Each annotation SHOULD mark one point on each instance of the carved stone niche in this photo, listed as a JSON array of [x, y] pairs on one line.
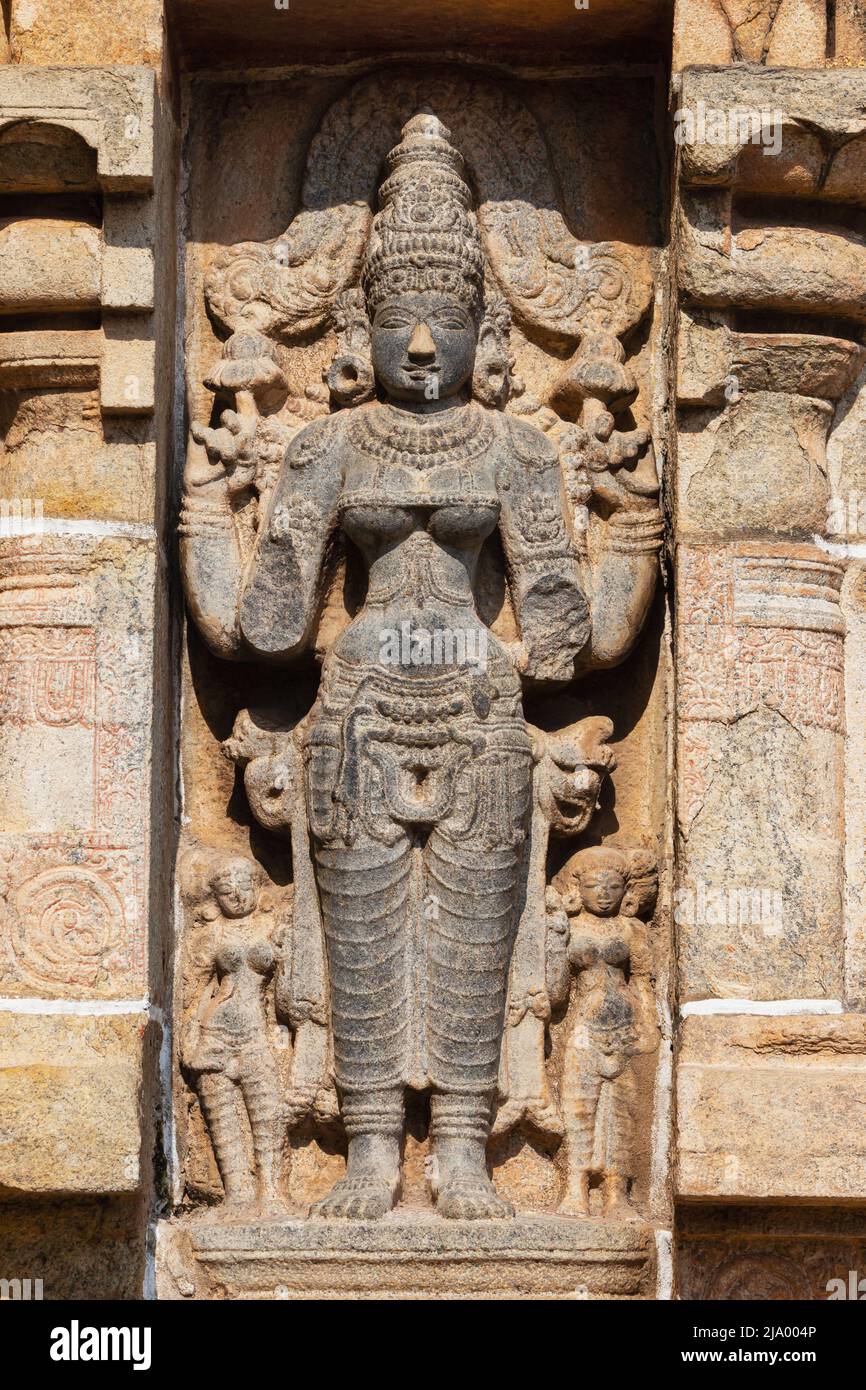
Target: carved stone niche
[[77, 239], [418, 1024]]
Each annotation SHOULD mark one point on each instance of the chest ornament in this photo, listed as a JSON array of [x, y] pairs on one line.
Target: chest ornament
[[421, 441]]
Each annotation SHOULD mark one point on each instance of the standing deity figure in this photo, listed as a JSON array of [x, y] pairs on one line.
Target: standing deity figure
[[418, 763], [602, 891], [225, 1049]]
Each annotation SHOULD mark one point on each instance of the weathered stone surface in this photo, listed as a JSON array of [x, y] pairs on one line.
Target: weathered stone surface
[[127, 379], [717, 364], [87, 236], [60, 449], [78, 1247], [47, 264], [850, 37], [208, 32], [112, 109], [70, 1097], [127, 277], [854, 608], [768, 894], [759, 466], [761, 720], [76, 643], [771, 1253], [846, 458], [795, 103], [61, 456], [39, 33], [764, 1108], [789, 268], [531, 1257], [774, 32]]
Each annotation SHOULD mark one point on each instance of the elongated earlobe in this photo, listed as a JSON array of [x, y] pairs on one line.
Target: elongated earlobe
[[350, 377], [491, 378]]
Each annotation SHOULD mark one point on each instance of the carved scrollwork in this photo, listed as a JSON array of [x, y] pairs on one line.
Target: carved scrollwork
[[553, 282], [286, 287]]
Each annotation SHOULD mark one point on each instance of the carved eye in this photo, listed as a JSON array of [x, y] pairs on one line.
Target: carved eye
[[455, 322], [393, 320]]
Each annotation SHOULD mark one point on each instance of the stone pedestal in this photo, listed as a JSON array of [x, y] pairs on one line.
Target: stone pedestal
[[412, 1255]]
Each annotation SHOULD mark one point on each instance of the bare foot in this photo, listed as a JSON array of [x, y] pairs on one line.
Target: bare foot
[[460, 1184], [371, 1186], [364, 1198], [472, 1199]]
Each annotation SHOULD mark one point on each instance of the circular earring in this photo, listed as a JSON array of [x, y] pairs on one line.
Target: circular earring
[[350, 379]]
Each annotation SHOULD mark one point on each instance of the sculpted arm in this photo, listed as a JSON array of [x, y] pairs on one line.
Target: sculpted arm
[[623, 583], [546, 586], [284, 588], [218, 475], [621, 579], [267, 604]]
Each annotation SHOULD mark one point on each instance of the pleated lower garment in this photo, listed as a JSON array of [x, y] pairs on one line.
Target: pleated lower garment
[[419, 942]]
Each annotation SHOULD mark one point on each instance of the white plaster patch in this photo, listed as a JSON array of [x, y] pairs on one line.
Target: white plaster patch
[[774, 1007], [664, 1265], [62, 526], [83, 1008], [26, 14]]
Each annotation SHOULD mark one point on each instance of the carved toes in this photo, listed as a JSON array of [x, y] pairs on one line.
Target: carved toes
[[462, 1201], [359, 1199]]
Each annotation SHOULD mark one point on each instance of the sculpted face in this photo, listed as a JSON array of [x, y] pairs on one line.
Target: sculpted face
[[423, 346], [236, 889], [602, 891]]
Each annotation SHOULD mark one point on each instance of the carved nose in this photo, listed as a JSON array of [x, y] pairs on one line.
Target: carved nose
[[421, 345]]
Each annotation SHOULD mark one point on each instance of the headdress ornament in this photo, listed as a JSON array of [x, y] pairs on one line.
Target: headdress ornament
[[425, 235]]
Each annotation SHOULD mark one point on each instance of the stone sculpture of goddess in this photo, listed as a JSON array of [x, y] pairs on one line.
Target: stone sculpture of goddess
[[226, 1049], [417, 776]]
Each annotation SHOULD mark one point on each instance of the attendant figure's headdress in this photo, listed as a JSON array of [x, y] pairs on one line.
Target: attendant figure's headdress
[[425, 235]]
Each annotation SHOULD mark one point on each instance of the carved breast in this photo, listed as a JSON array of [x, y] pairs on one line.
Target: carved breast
[[454, 524]]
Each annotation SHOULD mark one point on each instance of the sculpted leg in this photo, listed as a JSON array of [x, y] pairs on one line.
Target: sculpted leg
[[471, 934], [261, 1097], [365, 905], [581, 1088], [618, 1148], [219, 1102]]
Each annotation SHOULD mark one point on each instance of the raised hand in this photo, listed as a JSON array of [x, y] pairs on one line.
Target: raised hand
[[229, 449]]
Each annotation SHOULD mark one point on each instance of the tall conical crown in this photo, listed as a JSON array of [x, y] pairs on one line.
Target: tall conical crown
[[424, 236]]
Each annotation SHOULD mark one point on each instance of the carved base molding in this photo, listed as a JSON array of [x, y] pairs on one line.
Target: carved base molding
[[407, 1257], [737, 1253]]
